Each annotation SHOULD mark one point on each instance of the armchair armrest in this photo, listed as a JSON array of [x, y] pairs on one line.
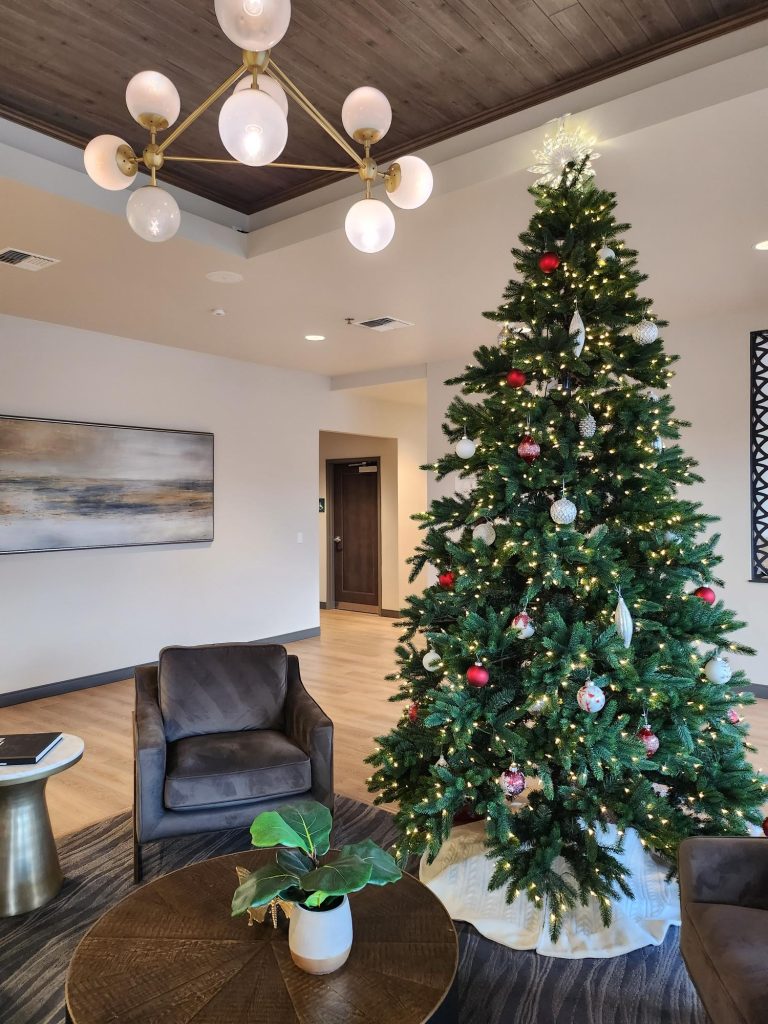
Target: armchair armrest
[[308, 726], [723, 870], [149, 747]]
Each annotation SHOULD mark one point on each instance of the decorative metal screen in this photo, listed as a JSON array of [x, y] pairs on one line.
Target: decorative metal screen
[[759, 453]]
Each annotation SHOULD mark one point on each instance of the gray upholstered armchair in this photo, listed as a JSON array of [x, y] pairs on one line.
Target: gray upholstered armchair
[[724, 934], [221, 733]]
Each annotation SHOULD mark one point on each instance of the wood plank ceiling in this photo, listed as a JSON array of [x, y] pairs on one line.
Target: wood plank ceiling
[[446, 66]]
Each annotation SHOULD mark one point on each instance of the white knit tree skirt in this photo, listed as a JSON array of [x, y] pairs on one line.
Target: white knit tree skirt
[[460, 874]]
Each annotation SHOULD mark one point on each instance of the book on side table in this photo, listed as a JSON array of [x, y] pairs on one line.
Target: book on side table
[[26, 747]]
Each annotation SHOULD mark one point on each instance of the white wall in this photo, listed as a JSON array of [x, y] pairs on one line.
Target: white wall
[[711, 390], [68, 614]]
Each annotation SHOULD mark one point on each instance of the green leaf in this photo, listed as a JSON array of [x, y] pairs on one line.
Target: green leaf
[[344, 874], [294, 861], [304, 825], [261, 886], [383, 866]]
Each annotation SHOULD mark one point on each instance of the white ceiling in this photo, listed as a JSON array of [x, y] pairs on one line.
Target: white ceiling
[[693, 185]]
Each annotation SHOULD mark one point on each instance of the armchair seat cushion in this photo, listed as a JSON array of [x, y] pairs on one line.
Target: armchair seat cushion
[[725, 952], [232, 767]]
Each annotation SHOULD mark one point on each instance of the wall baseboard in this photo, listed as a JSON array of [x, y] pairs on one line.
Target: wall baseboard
[[101, 678], [759, 689], [390, 613]]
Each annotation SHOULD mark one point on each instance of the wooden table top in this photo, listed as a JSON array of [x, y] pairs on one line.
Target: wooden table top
[[170, 952]]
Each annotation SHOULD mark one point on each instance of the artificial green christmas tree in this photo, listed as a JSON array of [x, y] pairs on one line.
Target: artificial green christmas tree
[[572, 643]]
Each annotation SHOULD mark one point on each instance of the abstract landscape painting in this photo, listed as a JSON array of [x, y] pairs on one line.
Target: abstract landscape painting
[[91, 485]]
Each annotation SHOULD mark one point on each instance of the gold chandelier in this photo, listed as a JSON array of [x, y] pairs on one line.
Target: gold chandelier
[[253, 128]]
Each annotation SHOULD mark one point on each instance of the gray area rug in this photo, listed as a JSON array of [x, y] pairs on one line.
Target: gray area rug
[[496, 985]]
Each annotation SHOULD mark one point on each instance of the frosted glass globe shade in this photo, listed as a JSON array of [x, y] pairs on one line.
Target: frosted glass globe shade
[[101, 163], [370, 225], [415, 186], [150, 94], [269, 86], [254, 24], [153, 213], [366, 109], [252, 127]]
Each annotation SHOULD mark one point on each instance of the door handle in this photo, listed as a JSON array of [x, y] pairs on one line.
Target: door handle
[[337, 542]]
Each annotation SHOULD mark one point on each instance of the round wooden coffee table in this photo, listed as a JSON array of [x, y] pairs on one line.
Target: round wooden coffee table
[[171, 952]]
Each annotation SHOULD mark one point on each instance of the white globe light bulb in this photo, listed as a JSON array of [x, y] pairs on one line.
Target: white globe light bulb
[[152, 100], [153, 213], [370, 225], [252, 127], [100, 159], [366, 114], [267, 85], [415, 185], [254, 24]]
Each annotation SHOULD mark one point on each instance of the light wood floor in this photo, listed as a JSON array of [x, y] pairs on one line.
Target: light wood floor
[[344, 669]]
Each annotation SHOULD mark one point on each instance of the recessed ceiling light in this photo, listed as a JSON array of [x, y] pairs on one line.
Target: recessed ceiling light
[[224, 277], [762, 246], [218, 312], [314, 337]]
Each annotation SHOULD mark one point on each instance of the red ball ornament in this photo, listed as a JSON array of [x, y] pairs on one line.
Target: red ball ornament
[[765, 825], [650, 740], [733, 716], [477, 675], [705, 594], [529, 450], [516, 379], [446, 579], [512, 781], [548, 262], [413, 711]]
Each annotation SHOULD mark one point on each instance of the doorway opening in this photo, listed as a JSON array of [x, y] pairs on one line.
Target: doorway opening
[[353, 510]]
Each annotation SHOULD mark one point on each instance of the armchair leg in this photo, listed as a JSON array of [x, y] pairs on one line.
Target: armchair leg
[[138, 865]]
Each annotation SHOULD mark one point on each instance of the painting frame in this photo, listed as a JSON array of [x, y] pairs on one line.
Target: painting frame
[[208, 435]]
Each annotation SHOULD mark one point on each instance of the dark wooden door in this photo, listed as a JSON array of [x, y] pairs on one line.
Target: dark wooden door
[[355, 543]]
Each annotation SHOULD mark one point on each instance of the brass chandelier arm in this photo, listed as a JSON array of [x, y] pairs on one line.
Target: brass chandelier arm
[[224, 160], [201, 109], [309, 108]]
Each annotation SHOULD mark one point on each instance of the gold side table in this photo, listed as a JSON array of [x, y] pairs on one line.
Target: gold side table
[[30, 874]]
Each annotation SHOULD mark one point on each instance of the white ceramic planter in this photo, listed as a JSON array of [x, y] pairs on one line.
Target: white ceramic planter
[[320, 940]]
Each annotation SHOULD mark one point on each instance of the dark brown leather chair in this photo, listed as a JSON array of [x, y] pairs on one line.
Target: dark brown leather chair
[[221, 733], [724, 934]]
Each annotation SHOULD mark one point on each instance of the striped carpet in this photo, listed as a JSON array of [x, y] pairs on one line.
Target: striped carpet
[[496, 985]]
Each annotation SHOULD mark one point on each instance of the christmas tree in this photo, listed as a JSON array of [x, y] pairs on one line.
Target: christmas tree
[[572, 645]]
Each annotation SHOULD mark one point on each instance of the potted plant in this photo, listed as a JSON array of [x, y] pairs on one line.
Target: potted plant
[[313, 880]]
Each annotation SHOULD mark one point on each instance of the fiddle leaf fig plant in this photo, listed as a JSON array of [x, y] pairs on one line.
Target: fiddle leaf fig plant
[[304, 872]]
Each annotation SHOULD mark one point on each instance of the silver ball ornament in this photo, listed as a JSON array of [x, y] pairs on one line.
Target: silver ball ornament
[[646, 332], [604, 254], [562, 512]]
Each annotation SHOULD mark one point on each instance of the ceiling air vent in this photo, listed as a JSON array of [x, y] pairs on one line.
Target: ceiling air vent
[[383, 323], [26, 260]]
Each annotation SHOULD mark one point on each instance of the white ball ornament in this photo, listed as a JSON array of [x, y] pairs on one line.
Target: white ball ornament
[[717, 670], [623, 622], [646, 332], [590, 698], [658, 445], [563, 512], [577, 327], [604, 254], [523, 626], [465, 447], [484, 532], [587, 426], [431, 661], [672, 538]]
